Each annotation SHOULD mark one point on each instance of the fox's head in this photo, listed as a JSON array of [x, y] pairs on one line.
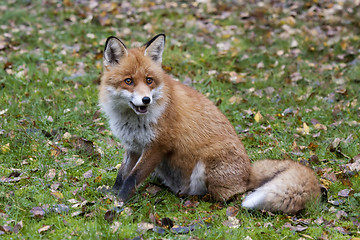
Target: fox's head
[[133, 78]]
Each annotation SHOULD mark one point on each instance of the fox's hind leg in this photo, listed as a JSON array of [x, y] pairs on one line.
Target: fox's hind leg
[[227, 179]]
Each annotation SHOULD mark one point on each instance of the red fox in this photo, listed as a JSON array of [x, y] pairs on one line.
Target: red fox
[[174, 131]]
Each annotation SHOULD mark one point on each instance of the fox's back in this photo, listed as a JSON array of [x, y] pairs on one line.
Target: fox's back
[[192, 117]]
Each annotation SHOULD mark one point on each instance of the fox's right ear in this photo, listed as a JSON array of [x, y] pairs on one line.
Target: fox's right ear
[[114, 50]]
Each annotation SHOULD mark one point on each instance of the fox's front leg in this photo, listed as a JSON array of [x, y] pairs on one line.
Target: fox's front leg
[[145, 165], [128, 163]]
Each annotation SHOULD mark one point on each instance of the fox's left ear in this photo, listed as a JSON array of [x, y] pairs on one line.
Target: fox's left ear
[[155, 48]]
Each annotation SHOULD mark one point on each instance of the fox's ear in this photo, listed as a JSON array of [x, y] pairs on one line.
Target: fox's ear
[[155, 48], [114, 50]]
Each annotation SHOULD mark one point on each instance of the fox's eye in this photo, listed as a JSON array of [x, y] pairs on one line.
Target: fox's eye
[[149, 80], [128, 81]]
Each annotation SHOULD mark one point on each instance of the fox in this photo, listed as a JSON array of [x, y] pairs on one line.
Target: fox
[[174, 132]]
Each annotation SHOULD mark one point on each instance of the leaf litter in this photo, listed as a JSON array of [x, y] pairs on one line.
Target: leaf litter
[[326, 44]]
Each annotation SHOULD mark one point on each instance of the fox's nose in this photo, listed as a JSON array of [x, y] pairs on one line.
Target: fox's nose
[[146, 100]]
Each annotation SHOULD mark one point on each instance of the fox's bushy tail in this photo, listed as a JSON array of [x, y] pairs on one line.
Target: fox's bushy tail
[[281, 185]]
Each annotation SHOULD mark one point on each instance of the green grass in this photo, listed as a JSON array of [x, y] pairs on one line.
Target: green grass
[[50, 65]]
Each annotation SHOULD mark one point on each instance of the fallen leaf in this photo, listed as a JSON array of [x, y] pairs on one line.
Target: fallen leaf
[[189, 204], [58, 195], [232, 222], [73, 201], [297, 228], [18, 226], [109, 215], [55, 186], [260, 65], [340, 214], [5, 148], [319, 221], [158, 230], [342, 230], [6, 228], [98, 179], [77, 213], [44, 228], [59, 208], [232, 211], [217, 206], [115, 226], [235, 99], [335, 144], [37, 212], [306, 128], [84, 147], [127, 211], [344, 193], [153, 189], [50, 174], [143, 227], [355, 166], [258, 117], [287, 111], [88, 174], [314, 159], [319, 126], [180, 230], [330, 176], [313, 146]]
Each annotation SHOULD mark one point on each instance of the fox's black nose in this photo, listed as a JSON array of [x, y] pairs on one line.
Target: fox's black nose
[[146, 100]]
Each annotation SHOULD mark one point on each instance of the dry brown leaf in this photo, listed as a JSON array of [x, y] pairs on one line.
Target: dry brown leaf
[[37, 212], [232, 211]]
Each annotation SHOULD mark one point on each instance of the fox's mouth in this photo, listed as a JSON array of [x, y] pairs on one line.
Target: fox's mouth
[[139, 109]]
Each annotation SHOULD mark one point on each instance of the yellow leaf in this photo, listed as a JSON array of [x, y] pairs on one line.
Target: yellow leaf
[[235, 99], [208, 219], [5, 148], [258, 117], [306, 128], [319, 126], [325, 182], [98, 66], [226, 36], [58, 195], [343, 45]]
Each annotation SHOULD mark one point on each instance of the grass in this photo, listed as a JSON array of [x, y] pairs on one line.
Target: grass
[[50, 65]]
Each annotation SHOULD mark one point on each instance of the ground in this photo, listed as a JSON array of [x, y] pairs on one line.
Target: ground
[[285, 73]]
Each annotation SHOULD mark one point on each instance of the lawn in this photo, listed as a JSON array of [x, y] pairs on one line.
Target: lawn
[[285, 73]]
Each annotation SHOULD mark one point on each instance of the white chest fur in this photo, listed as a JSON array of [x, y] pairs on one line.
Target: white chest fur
[[134, 131]]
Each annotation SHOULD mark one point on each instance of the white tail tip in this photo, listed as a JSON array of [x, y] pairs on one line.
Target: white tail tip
[[254, 200]]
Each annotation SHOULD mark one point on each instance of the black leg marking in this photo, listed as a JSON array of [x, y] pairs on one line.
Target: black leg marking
[[127, 188], [118, 182]]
